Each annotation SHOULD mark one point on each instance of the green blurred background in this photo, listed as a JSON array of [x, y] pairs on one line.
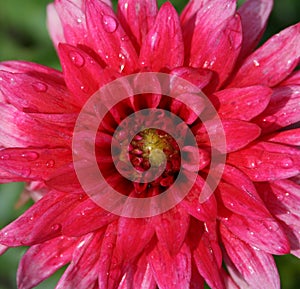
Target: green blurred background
[[23, 36]]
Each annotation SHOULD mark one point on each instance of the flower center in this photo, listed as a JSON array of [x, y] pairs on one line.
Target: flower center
[[154, 147]]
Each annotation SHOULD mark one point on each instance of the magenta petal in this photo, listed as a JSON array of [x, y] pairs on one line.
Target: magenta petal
[[83, 75], [242, 103], [83, 269], [254, 16], [257, 267], [283, 109], [33, 164], [54, 25], [3, 249], [137, 18], [289, 137], [42, 260], [273, 62], [207, 264], [73, 20], [18, 129], [265, 234], [293, 79], [163, 46], [196, 76], [107, 34], [267, 161], [239, 133], [242, 202], [110, 260], [42, 222], [221, 50], [86, 217], [283, 200], [133, 236], [202, 211], [143, 277], [171, 228], [171, 272]]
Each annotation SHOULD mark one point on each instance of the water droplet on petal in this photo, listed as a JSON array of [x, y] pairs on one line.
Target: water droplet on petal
[[50, 164], [30, 156], [124, 38], [40, 87], [109, 23], [26, 172], [56, 227], [5, 157], [287, 163], [76, 58], [269, 120], [122, 62], [256, 63]]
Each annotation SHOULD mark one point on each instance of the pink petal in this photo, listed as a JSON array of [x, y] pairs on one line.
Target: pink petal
[[239, 180], [242, 103], [143, 277], [133, 236], [3, 249], [242, 202], [265, 234], [257, 267], [86, 217], [83, 269], [107, 34], [203, 16], [18, 129], [42, 260], [283, 109], [224, 45], [293, 234], [171, 228], [73, 21], [83, 75], [163, 46], [207, 264], [197, 282], [137, 18], [238, 134], [293, 79], [290, 137], [254, 16], [33, 164], [196, 76], [44, 87], [42, 222], [202, 211], [283, 200], [32, 94], [54, 25], [273, 62], [266, 161], [111, 261], [171, 272], [229, 283]]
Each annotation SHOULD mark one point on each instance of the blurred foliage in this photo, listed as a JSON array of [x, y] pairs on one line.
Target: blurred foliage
[[23, 36]]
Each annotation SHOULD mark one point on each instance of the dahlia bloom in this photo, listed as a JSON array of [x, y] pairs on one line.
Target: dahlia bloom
[[228, 239]]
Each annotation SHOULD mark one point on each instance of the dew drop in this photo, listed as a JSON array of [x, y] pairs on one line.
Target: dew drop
[[50, 164], [55, 227], [122, 62], [26, 172], [287, 163], [30, 156], [76, 58], [256, 63], [109, 23], [5, 157], [269, 120], [40, 87], [124, 38]]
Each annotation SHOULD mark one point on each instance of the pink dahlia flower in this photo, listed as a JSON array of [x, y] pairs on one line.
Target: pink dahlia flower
[[228, 239]]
